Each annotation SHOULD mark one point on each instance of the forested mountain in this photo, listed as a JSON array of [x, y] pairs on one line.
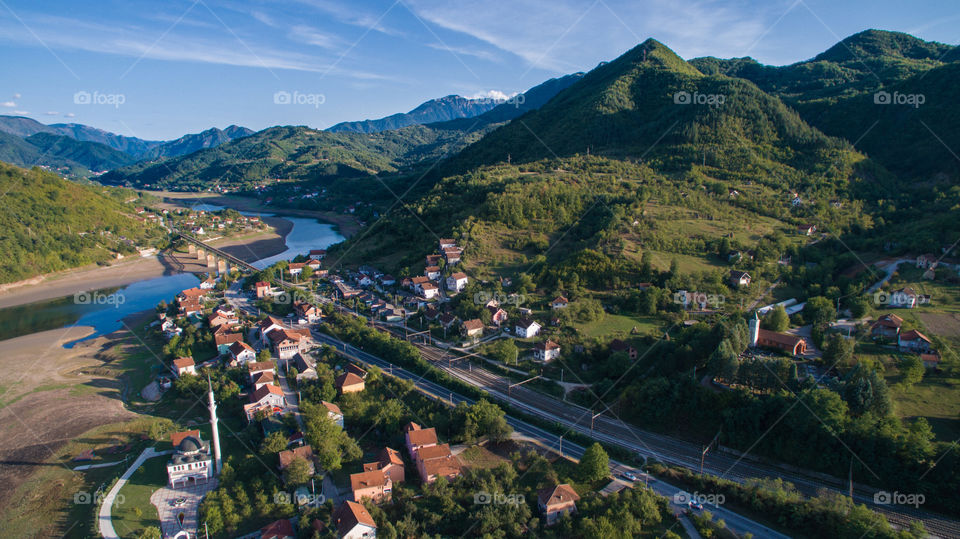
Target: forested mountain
[[53, 224], [69, 156], [297, 153], [211, 138], [852, 91], [445, 108]]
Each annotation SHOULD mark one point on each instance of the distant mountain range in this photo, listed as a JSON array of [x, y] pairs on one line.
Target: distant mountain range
[[308, 154], [446, 108], [82, 149]]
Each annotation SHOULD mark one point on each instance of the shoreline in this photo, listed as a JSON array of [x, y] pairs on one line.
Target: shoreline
[[60, 284]]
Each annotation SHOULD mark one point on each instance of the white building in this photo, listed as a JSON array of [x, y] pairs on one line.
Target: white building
[[457, 282], [546, 351], [527, 328]]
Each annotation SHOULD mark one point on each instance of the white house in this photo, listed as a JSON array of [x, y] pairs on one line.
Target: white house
[[264, 327], [430, 290], [353, 521], [432, 272], [333, 412], [267, 397], [457, 282], [170, 329], [184, 365], [241, 353], [527, 328], [559, 302], [546, 351]]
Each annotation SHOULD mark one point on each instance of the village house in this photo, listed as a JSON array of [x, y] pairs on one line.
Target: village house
[[317, 253], [310, 313], [295, 268], [225, 340], [349, 383], [170, 329], [374, 485], [546, 351], [304, 452], [527, 328], [278, 529], [433, 260], [452, 255], [472, 329], [457, 281], [353, 521], [263, 289], [429, 290], [930, 360], [390, 462], [416, 283], [739, 278], [208, 284], [388, 280], [446, 243], [434, 462], [914, 340], [333, 412], [264, 327], [262, 379], [184, 365], [806, 230], [432, 272], [189, 308], [219, 318], [241, 353], [447, 320], [286, 343], [191, 295], [906, 298], [886, 327], [417, 437], [556, 501], [268, 398], [559, 302], [431, 313], [256, 367], [191, 461], [498, 316], [617, 345], [313, 264]]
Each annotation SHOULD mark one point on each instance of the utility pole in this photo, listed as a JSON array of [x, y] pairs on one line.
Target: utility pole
[[561, 445]]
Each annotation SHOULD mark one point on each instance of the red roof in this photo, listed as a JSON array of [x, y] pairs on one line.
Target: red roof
[[182, 362], [557, 495], [286, 457], [265, 390], [348, 379], [471, 325], [889, 321], [277, 530], [227, 338], [348, 515], [332, 407], [549, 345], [422, 436], [913, 335], [178, 437]]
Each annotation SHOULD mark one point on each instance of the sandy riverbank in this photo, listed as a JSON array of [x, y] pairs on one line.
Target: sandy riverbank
[[347, 225], [249, 248]]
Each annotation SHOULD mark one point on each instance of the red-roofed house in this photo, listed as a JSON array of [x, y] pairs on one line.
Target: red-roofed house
[[349, 383], [390, 462], [353, 521], [280, 529], [268, 397], [457, 281], [556, 501], [914, 340], [374, 484], [546, 351], [886, 327], [418, 438], [184, 365]]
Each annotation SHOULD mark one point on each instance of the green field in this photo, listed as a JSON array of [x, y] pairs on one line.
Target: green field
[[618, 326], [135, 495]]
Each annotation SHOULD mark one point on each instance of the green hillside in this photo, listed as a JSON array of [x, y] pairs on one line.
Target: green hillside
[[835, 92], [53, 224], [297, 153], [91, 155]]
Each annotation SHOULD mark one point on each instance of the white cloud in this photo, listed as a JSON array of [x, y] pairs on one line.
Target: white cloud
[[312, 36], [16, 96], [495, 95], [21, 112], [567, 35], [8, 104], [69, 115], [51, 113]]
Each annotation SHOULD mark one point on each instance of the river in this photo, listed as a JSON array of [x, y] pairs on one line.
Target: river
[[105, 309]]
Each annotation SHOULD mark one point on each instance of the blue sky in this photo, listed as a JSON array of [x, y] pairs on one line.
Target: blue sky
[[159, 69]]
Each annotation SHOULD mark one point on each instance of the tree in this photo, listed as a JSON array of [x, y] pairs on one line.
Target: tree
[[483, 418], [151, 532], [838, 350], [264, 355], [297, 472], [912, 370], [777, 319], [819, 311], [274, 443], [595, 464]]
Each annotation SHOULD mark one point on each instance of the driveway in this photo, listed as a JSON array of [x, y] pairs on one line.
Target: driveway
[[163, 500], [104, 517]]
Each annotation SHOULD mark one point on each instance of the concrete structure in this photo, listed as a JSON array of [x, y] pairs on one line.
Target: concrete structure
[[556, 501]]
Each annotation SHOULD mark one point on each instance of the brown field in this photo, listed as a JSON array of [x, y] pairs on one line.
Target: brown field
[[943, 324], [50, 396]]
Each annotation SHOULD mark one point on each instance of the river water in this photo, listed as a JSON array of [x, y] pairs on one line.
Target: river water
[[105, 309]]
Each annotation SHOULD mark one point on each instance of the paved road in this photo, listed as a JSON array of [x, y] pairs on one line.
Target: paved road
[[735, 522], [104, 519]]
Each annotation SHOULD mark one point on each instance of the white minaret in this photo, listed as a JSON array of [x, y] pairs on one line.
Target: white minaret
[[754, 329], [213, 429]]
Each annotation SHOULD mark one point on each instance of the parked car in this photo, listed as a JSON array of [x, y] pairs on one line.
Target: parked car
[[694, 504]]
